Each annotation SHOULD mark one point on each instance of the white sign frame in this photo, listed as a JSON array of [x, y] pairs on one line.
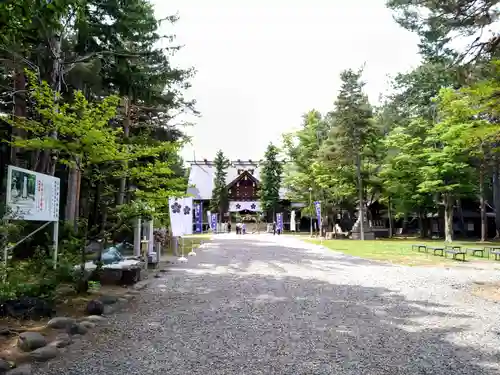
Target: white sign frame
[[37, 197]]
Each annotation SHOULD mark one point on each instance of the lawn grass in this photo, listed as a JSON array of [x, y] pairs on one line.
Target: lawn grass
[[398, 250]]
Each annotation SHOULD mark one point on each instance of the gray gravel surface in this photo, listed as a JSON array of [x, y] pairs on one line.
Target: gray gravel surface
[[274, 305]]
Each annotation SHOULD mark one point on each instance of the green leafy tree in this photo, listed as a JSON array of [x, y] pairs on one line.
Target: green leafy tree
[[270, 180], [401, 173], [301, 150], [447, 172], [220, 200]]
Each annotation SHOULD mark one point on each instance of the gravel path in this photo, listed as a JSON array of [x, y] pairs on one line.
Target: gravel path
[[274, 305]]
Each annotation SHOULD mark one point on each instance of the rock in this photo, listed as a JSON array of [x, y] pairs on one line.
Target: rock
[[122, 300], [77, 329], [95, 307], [88, 325], [21, 370], [157, 276], [4, 366], [108, 300], [44, 354], [109, 310], [61, 341], [64, 291], [94, 319], [128, 296], [61, 322], [28, 308], [29, 341], [5, 332]]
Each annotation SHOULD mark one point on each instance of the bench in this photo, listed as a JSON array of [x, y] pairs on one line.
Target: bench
[[475, 250], [455, 250], [419, 247], [436, 249], [493, 250]]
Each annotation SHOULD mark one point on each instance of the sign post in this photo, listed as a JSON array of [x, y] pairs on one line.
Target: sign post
[[317, 205], [33, 196]]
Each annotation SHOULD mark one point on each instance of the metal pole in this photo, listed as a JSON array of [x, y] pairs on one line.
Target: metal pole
[[55, 241]]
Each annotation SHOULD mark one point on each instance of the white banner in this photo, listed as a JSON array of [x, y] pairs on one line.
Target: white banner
[[32, 196], [292, 221], [187, 211], [235, 206], [175, 209]]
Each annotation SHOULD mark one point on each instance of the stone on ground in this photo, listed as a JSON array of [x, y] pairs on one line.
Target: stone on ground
[[4, 366], [45, 353], [21, 370], [95, 307], [88, 325], [94, 318], [77, 329], [61, 341], [29, 341], [108, 300], [61, 322]]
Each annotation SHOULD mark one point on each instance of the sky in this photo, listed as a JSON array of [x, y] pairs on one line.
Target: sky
[[260, 67]]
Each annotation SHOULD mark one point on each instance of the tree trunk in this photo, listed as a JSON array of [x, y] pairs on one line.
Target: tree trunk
[[19, 111], [71, 196], [421, 225], [389, 214], [56, 84], [448, 218], [461, 217], [482, 206], [496, 197], [126, 131], [360, 192]]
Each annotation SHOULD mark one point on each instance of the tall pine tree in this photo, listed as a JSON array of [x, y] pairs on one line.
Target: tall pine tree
[[270, 183], [220, 200], [353, 131]]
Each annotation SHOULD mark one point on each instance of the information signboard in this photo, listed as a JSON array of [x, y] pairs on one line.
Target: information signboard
[[32, 196]]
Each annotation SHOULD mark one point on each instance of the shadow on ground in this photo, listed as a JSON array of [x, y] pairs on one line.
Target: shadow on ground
[[198, 321]]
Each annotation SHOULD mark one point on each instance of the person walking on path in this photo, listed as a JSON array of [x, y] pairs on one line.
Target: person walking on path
[[274, 228]]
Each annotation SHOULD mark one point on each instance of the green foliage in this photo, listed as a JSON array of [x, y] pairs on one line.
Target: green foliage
[[84, 136], [219, 201], [270, 183]]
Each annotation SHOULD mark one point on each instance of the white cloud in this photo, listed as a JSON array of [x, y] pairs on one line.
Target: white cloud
[[260, 67]]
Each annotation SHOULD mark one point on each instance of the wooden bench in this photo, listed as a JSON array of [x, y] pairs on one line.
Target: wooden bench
[[419, 247], [493, 250], [496, 253], [455, 250], [436, 249], [475, 250]]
